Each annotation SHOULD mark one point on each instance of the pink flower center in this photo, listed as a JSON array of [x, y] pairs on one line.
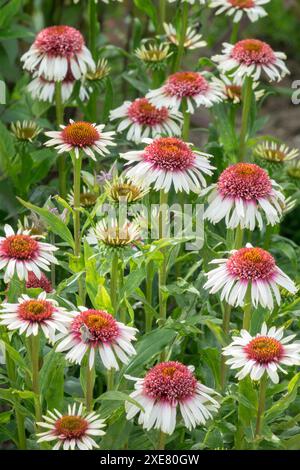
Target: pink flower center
[[251, 264], [245, 180], [35, 310], [171, 382], [264, 350], [95, 326], [71, 427], [253, 51], [144, 113], [80, 134], [34, 283], [169, 154], [186, 84], [20, 247], [242, 3], [59, 41]]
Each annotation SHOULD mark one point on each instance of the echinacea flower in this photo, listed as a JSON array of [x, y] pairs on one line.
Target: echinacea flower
[[190, 86], [43, 283], [22, 253], [112, 235], [249, 58], [25, 130], [233, 90], [123, 189], [263, 353], [243, 196], [165, 387], [193, 40], [81, 136], [30, 316], [96, 330], [236, 8], [44, 90], [169, 161], [57, 51], [143, 119], [88, 198], [252, 270], [154, 55], [101, 71], [76, 429], [273, 152]]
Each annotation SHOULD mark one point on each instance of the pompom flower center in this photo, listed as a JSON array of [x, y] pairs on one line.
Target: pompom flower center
[[170, 382], [80, 134], [251, 264], [242, 3], [169, 154], [144, 113], [71, 427], [35, 310], [22, 247], [264, 350], [253, 51], [245, 180], [95, 326], [62, 41], [186, 84]]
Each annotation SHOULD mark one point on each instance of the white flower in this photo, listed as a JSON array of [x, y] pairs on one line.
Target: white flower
[[30, 315], [22, 253], [57, 51], [243, 195], [233, 88], [96, 330], [143, 119], [250, 270], [169, 161], [112, 235], [237, 8], [193, 40], [249, 58], [275, 153], [73, 430], [265, 352], [192, 87], [44, 90], [81, 136], [166, 387]]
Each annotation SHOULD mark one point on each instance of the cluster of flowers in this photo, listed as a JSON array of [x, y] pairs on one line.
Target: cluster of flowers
[[244, 196]]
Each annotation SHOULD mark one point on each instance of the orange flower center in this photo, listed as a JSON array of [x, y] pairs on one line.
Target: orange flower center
[[242, 3], [71, 427], [80, 134], [35, 310], [264, 350], [22, 247]]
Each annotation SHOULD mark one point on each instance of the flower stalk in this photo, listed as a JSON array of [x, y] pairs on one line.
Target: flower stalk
[[77, 162], [247, 96], [61, 162], [184, 26], [261, 404]]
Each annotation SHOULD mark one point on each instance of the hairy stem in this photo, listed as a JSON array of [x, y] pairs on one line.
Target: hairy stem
[[61, 162]]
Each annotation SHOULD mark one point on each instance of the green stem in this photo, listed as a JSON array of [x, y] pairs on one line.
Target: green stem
[[186, 122], [77, 162], [225, 327], [162, 274], [239, 237], [110, 379], [268, 237], [162, 15], [21, 430], [149, 290], [247, 96], [114, 282], [61, 162], [234, 33], [90, 381], [53, 277], [184, 26], [35, 354], [93, 25], [161, 441], [261, 404], [247, 311]]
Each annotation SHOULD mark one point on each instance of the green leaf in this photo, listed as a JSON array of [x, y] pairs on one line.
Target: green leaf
[[150, 345], [56, 225], [147, 7], [119, 396], [281, 405], [15, 356], [52, 379]]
